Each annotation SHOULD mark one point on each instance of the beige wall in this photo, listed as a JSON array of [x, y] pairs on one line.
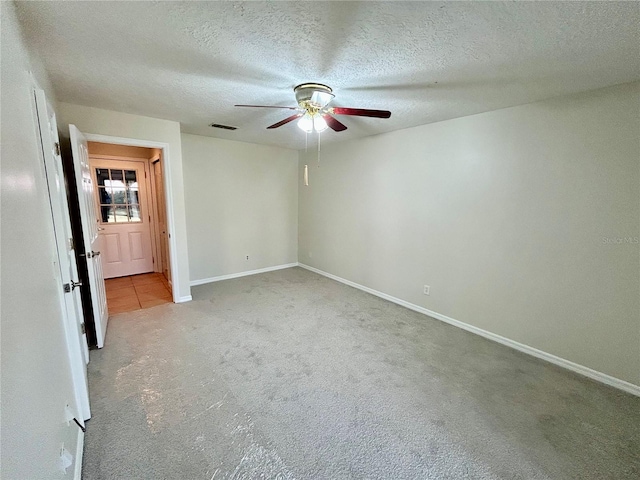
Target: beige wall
[[36, 375], [116, 124], [241, 200], [507, 215]]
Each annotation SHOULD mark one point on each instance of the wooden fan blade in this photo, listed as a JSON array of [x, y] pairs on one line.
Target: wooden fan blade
[[360, 112], [266, 106], [334, 124], [285, 121]]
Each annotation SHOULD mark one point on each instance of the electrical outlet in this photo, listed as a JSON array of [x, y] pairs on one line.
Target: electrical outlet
[[247, 257], [427, 289], [310, 254]]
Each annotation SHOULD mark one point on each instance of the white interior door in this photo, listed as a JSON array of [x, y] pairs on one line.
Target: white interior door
[[89, 220], [72, 303], [124, 217]]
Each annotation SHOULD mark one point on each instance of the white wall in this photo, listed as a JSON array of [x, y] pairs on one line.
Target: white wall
[[242, 199], [506, 216], [36, 377], [116, 124]]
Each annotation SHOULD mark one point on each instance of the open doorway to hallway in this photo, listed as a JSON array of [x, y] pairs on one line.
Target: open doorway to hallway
[[132, 226]]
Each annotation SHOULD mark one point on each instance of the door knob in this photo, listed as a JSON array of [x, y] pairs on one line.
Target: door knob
[[92, 254], [68, 287], [100, 229]]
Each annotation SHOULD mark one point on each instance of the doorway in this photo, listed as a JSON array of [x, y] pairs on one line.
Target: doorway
[[132, 227]]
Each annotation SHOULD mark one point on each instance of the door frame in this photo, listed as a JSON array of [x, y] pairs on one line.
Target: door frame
[[157, 159], [149, 194], [168, 197], [153, 194]]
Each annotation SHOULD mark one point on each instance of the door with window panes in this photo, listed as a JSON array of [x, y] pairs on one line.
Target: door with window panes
[[123, 217]]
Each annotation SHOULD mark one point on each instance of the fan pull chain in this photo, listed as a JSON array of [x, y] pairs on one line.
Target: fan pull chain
[[318, 149], [305, 177]]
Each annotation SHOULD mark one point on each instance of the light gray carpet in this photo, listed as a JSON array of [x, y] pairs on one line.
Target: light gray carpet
[[291, 375]]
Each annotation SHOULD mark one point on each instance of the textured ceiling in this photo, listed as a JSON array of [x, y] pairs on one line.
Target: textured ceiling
[[424, 61]]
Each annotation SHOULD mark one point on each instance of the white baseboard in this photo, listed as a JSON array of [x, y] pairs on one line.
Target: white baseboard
[[241, 274], [187, 298], [581, 369], [77, 468]]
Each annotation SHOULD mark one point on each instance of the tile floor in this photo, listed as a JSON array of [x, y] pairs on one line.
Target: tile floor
[[125, 294]]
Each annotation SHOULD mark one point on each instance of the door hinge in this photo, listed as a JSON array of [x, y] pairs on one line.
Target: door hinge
[[149, 217], [83, 328], [145, 174], [57, 148], [153, 260]]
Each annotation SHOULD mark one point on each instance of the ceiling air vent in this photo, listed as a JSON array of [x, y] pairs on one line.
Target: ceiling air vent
[[224, 127]]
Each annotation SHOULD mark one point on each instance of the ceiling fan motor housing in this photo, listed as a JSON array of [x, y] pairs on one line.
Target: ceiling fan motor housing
[[313, 96]]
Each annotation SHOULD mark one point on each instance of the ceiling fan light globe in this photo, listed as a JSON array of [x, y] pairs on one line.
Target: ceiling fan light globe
[[319, 123], [306, 123], [315, 94], [321, 99]]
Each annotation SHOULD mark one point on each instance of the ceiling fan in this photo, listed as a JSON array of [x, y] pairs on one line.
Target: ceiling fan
[[314, 113]]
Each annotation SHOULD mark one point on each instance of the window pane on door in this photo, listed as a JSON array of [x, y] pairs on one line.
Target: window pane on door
[[117, 177], [130, 178], [133, 196], [118, 195], [134, 213], [104, 196], [102, 175], [121, 214], [106, 213]]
